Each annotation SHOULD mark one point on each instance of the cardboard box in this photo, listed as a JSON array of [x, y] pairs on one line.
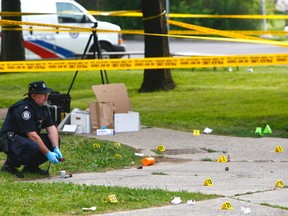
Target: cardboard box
[[115, 93], [82, 119], [126, 122], [113, 97]]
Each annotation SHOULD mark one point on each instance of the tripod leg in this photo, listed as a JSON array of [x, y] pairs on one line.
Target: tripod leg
[[106, 76], [99, 55], [82, 57]]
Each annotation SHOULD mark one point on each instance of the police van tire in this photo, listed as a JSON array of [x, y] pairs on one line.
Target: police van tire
[[105, 48]]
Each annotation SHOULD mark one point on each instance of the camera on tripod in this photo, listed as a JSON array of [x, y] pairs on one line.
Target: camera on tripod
[[59, 104]]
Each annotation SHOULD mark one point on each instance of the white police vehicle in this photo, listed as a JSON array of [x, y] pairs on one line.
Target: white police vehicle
[[42, 44]]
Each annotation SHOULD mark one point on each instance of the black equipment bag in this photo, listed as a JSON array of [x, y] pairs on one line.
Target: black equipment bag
[[61, 100], [59, 105]]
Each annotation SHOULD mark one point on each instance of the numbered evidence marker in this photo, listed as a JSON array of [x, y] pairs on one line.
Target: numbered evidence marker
[[208, 182], [117, 145], [279, 183], [96, 145], [259, 131], [222, 158], [227, 206], [112, 199], [160, 148], [278, 149], [267, 130], [196, 132]]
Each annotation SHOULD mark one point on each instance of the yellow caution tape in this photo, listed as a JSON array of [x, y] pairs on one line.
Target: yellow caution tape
[[244, 32], [127, 13], [228, 16], [154, 17], [9, 14], [15, 23], [177, 15], [123, 13], [171, 33], [143, 63], [175, 34], [196, 29], [233, 34], [223, 33], [14, 14], [238, 37], [210, 30]]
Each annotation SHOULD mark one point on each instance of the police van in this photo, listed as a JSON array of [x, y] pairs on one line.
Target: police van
[[54, 43]]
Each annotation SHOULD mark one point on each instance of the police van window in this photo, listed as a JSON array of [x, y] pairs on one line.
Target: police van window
[[69, 13]]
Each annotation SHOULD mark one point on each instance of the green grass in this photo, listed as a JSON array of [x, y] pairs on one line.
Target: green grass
[[97, 155], [230, 103], [69, 199], [209, 150], [274, 206], [206, 159], [82, 154]]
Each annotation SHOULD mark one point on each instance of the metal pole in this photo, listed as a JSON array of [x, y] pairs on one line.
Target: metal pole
[[264, 13], [167, 13]]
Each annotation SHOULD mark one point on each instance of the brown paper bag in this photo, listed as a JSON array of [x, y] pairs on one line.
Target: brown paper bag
[[101, 115], [93, 117]]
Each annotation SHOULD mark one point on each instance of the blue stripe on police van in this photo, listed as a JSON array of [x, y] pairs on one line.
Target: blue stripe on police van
[[57, 49]]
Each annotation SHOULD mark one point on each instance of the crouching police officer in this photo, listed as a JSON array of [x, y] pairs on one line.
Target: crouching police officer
[[22, 129]]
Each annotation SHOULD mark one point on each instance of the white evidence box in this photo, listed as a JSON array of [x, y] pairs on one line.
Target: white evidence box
[[81, 119], [126, 122]]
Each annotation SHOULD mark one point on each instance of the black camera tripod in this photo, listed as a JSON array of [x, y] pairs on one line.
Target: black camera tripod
[[62, 101], [95, 48]]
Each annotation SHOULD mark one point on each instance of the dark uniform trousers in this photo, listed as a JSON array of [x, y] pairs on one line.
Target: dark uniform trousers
[[24, 151]]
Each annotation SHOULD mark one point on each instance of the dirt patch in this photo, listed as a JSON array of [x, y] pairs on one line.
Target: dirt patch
[[166, 156], [163, 157], [171, 159], [182, 151]]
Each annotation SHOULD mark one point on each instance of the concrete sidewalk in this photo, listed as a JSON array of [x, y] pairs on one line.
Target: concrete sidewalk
[[249, 184]]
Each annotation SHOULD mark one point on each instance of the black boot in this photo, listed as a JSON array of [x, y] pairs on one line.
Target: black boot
[[35, 170], [11, 169]]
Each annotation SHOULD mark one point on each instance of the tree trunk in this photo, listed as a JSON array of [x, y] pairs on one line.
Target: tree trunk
[[154, 21], [12, 47]]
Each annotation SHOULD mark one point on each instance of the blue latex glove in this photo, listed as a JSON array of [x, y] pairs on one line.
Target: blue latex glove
[[58, 152], [52, 157]]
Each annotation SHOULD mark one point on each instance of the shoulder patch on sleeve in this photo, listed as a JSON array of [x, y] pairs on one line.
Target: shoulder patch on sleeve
[[26, 115]]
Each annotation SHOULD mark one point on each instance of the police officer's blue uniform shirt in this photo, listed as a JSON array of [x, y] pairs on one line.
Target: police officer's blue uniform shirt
[[27, 116]]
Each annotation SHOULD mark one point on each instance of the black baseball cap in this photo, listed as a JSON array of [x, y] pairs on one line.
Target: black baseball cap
[[38, 87]]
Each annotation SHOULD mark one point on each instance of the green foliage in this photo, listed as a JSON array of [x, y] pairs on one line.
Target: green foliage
[[116, 5], [223, 7], [219, 7]]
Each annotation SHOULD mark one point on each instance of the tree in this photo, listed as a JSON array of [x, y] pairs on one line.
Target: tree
[[154, 21], [12, 47]]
